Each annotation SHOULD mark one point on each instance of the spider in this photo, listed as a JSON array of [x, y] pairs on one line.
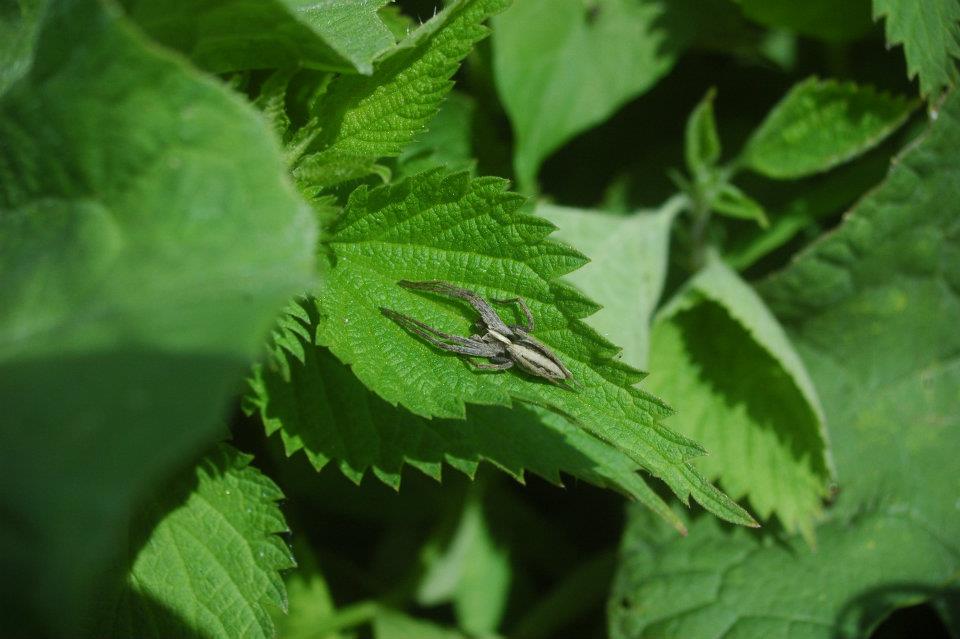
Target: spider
[[504, 345]]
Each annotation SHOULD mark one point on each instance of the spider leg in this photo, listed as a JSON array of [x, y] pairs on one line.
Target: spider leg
[[445, 341], [495, 366], [487, 314], [523, 307]]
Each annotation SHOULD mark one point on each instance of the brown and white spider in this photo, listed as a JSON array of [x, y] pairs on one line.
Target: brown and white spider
[[504, 345]]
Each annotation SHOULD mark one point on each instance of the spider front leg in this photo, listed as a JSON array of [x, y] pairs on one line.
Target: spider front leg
[[490, 318], [445, 341], [523, 307]]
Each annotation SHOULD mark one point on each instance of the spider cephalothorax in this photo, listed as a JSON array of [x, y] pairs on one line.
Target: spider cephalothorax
[[504, 345]]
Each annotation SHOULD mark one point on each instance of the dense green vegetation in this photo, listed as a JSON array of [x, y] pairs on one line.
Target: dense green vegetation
[[211, 428]]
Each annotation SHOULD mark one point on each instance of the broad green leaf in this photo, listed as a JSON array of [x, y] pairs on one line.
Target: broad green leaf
[[362, 119], [873, 310], [469, 232], [701, 140], [209, 564], [826, 19], [446, 142], [353, 28], [628, 265], [321, 408], [820, 124], [730, 201], [929, 32], [148, 237], [562, 66], [472, 571], [233, 35], [390, 624], [746, 395]]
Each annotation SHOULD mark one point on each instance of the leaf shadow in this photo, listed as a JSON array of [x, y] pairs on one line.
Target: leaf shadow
[[128, 611], [736, 368]]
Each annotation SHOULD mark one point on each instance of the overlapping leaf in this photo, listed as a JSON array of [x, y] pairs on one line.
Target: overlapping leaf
[[148, 237], [209, 565], [449, 227], [930, 34], [560, 75], [747, 395], [873, 309], [233, 35], [361, 119], [627, 269], [820, 124]]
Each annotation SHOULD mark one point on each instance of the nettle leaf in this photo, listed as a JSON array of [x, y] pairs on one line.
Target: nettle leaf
[[446, 142], [730, 201], [609, 51], [362, 119], [469, 232], [321, 408], [209, 564], [873, 309], [354, 28], [930, 34], [233, 35], [825, 19], [148, 237], [701, 141], [746, 395], [820, 124], [627, 269]]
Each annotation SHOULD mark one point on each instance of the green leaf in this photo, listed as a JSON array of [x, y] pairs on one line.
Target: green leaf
[[746, 395], [209, 564], [561, 75], [820, 124], [930, 35], [354, 28], [732, 202], [390, 624], [233, 35], [701, 140], [148, 237], [472, 571], [446, 142], [452, 228], [627, 269], [873, 309], [362, 119], [825, 19], [321, 408]]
